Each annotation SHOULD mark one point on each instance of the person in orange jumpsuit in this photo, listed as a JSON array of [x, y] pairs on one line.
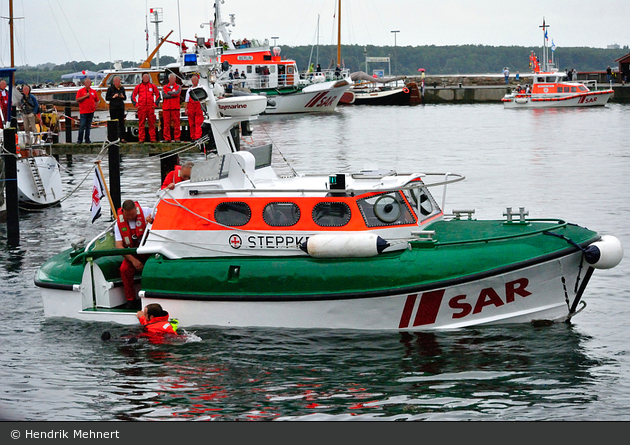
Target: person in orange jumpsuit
[[156, 323], [170, 109], [145, 98], [194, 111]]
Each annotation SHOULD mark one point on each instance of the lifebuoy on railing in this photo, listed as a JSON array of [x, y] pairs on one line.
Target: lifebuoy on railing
[[405, 90]]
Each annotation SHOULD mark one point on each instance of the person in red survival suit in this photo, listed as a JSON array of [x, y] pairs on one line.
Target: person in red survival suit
[[156, 322], [181, 173], [130, 226], [4, 101], [170, 109], [145, 98], [193, 111]]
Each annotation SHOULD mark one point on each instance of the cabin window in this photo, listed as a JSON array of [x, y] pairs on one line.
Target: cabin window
[[272, 69], [331, 214], [249, 69], [582, 88], [232, 214], [540, 79], [385, 210], [422, 202], [281, 214], [574, 89], [567, 89], [559, 90], [551, 79], [289, 70]]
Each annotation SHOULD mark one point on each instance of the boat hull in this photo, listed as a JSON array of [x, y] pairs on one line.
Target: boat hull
[[591, 99], [540, 296], [522, 275], [318, 98], [391, 97], [30, 197]]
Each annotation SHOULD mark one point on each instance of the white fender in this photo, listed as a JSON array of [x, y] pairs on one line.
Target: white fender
[[605, 253], [344, 245]]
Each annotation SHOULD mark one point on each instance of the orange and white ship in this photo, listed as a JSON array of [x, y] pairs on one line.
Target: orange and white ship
[[551, 88], [267, 73]]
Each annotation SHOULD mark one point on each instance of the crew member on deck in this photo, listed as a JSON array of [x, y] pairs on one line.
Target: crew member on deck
[[181, 173], [130, 226]]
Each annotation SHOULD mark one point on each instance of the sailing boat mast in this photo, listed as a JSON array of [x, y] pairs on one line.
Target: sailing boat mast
[[11, 32], [317, 53], [339, 34]]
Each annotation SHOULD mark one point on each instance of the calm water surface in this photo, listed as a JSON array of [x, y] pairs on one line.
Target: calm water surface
[[569, 164]]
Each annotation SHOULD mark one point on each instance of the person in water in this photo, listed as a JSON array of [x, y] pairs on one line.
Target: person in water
[[156, 320]]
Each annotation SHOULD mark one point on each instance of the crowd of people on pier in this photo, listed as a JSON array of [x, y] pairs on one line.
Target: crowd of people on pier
[[145, 97]]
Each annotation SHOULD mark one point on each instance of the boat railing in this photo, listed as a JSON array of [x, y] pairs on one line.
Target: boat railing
[[448, 178]]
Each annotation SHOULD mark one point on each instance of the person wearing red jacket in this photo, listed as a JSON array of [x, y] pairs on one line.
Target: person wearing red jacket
[[4, 101], [88, 98], [145, 98], [194, 111], [156, 321], [170, 110], [181, 173]]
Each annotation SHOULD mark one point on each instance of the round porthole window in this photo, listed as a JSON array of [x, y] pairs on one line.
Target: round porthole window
[[387, 208]]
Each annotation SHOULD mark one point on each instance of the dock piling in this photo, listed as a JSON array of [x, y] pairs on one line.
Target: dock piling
[[11, 189], [68, 124], [114, 163]]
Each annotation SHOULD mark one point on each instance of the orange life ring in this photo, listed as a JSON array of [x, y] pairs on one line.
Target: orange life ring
[[405, 90]]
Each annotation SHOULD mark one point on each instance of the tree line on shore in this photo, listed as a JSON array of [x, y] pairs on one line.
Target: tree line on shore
[[404, 60]]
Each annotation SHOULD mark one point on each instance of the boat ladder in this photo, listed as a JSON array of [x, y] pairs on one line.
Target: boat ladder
[[37, 179]]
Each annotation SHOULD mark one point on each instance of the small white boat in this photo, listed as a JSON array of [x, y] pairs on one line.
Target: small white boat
[[38, 175]]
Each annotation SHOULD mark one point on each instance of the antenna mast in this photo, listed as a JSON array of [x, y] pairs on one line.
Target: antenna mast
[[339, 34]]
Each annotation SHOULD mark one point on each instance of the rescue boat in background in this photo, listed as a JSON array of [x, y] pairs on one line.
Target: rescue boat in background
[[240, 245], [551, 88]]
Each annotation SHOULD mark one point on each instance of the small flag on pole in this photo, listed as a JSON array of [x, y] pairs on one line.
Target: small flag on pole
[[546, 36], [98, 192], [553, 45]]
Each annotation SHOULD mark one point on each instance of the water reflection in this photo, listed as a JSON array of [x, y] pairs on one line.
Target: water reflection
[[242, 374]]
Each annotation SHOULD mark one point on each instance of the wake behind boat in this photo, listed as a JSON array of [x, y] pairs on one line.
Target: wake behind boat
[[240, 245]]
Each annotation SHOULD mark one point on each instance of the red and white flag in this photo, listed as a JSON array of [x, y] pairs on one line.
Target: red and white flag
[[98, 192]]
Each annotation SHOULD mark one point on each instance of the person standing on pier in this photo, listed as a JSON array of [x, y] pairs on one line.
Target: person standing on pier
[[194, 111], [145, 98], [170, 110], [131, 224], [116, 97], [87, 98], [4, 101], [29, 107], [506, 74]]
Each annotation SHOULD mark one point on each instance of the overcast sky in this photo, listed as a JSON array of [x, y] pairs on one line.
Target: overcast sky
[[59, 31]]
